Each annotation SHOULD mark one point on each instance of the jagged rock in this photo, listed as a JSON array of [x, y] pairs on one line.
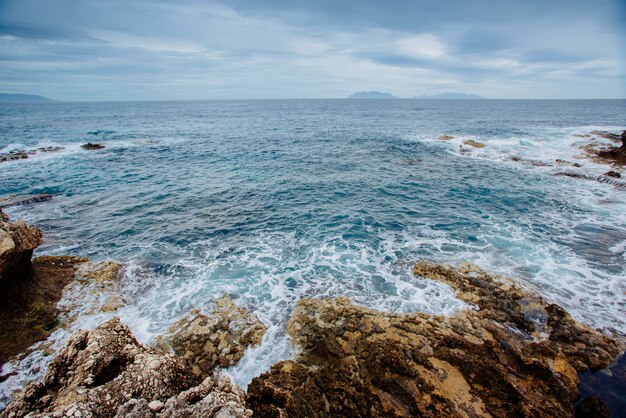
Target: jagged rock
[[216, 340], [50, 149], [619, 185], [89, 146], [474, 144], [29, 290], [99, 371], [445, 137], [17, 242], [12, 156], [563, 162], [16, 200], [600, 153], [607, 135], [106, 373], [516, 356]]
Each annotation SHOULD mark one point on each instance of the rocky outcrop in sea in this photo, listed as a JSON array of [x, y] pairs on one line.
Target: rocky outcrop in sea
[[511, 354], [516, 355]]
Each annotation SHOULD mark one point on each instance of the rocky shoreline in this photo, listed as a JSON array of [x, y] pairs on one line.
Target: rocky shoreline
[[514, 354]]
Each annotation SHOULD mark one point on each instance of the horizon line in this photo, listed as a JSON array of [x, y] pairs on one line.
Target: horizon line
[[289, 98]]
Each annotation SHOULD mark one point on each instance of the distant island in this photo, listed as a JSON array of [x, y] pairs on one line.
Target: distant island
[[384, 95], [450, 96], [23, 98], [372, 95]]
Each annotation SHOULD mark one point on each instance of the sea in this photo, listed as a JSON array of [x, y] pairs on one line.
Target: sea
[[272, 201]]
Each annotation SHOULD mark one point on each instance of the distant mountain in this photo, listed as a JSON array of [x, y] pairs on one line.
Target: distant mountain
[[23, 98], [450, 96], [372, 95]]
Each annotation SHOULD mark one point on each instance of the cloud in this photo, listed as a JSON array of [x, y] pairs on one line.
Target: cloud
[[192, 49]]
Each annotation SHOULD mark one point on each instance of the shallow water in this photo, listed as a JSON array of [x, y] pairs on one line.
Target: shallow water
[[273, 201]]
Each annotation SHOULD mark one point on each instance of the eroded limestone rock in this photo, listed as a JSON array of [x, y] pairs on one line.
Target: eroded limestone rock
[[216, 340], [106, 373], [516, 356]]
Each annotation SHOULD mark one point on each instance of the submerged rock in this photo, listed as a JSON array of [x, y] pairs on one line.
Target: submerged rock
[[567, 163], [12, 156], [474, 144], [607, 135], [92, 146], [606, 178], [16, 200], [106, 373], [612, 173], [445, 137], [216, 340], [601, 153], [516, 356]]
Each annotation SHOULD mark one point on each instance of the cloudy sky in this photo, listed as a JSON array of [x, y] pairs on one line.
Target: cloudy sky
[[192, 49]]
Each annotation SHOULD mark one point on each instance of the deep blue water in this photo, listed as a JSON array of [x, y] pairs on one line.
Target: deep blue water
[[272, 201]]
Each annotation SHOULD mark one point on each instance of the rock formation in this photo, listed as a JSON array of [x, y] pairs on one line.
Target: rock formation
[[106, 373], [515, 356], [23, 154], [91, 146], [603, 154], [29, 290], [473, 143], [216, 340], [16, 200]]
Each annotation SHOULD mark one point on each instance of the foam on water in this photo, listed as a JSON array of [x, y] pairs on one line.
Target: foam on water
[[272, 202]]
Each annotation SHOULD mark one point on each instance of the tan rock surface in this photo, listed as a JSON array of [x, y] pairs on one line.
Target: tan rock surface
[[215, 340], [517, 356]]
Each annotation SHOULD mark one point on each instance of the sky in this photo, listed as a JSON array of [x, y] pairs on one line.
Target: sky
[[90, 50]]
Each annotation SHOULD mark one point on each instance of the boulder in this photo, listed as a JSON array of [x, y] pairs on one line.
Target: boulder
[[107, 373], [29, 290], [445, 137], [517, 355], [474, 144], [216, 340], [12, 156], [615, 174], [17, 242], [92, 146]]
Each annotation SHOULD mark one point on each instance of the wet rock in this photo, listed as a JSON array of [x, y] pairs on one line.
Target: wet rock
[[592, 407], [92, 146], [216, 340], [29, 290], [50, 149], [16, 200], [99, 371], [516, 356], [619, 185], [473, 143], [607, 135], [615, 174], [445, 137], [566, 163], [107, 373], [17, 242], [12, 156], [600, 153]]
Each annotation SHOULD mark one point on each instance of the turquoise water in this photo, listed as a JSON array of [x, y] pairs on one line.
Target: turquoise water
[[273, 201]]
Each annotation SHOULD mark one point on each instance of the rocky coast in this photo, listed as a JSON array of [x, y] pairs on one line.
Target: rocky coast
[[513, 354]]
